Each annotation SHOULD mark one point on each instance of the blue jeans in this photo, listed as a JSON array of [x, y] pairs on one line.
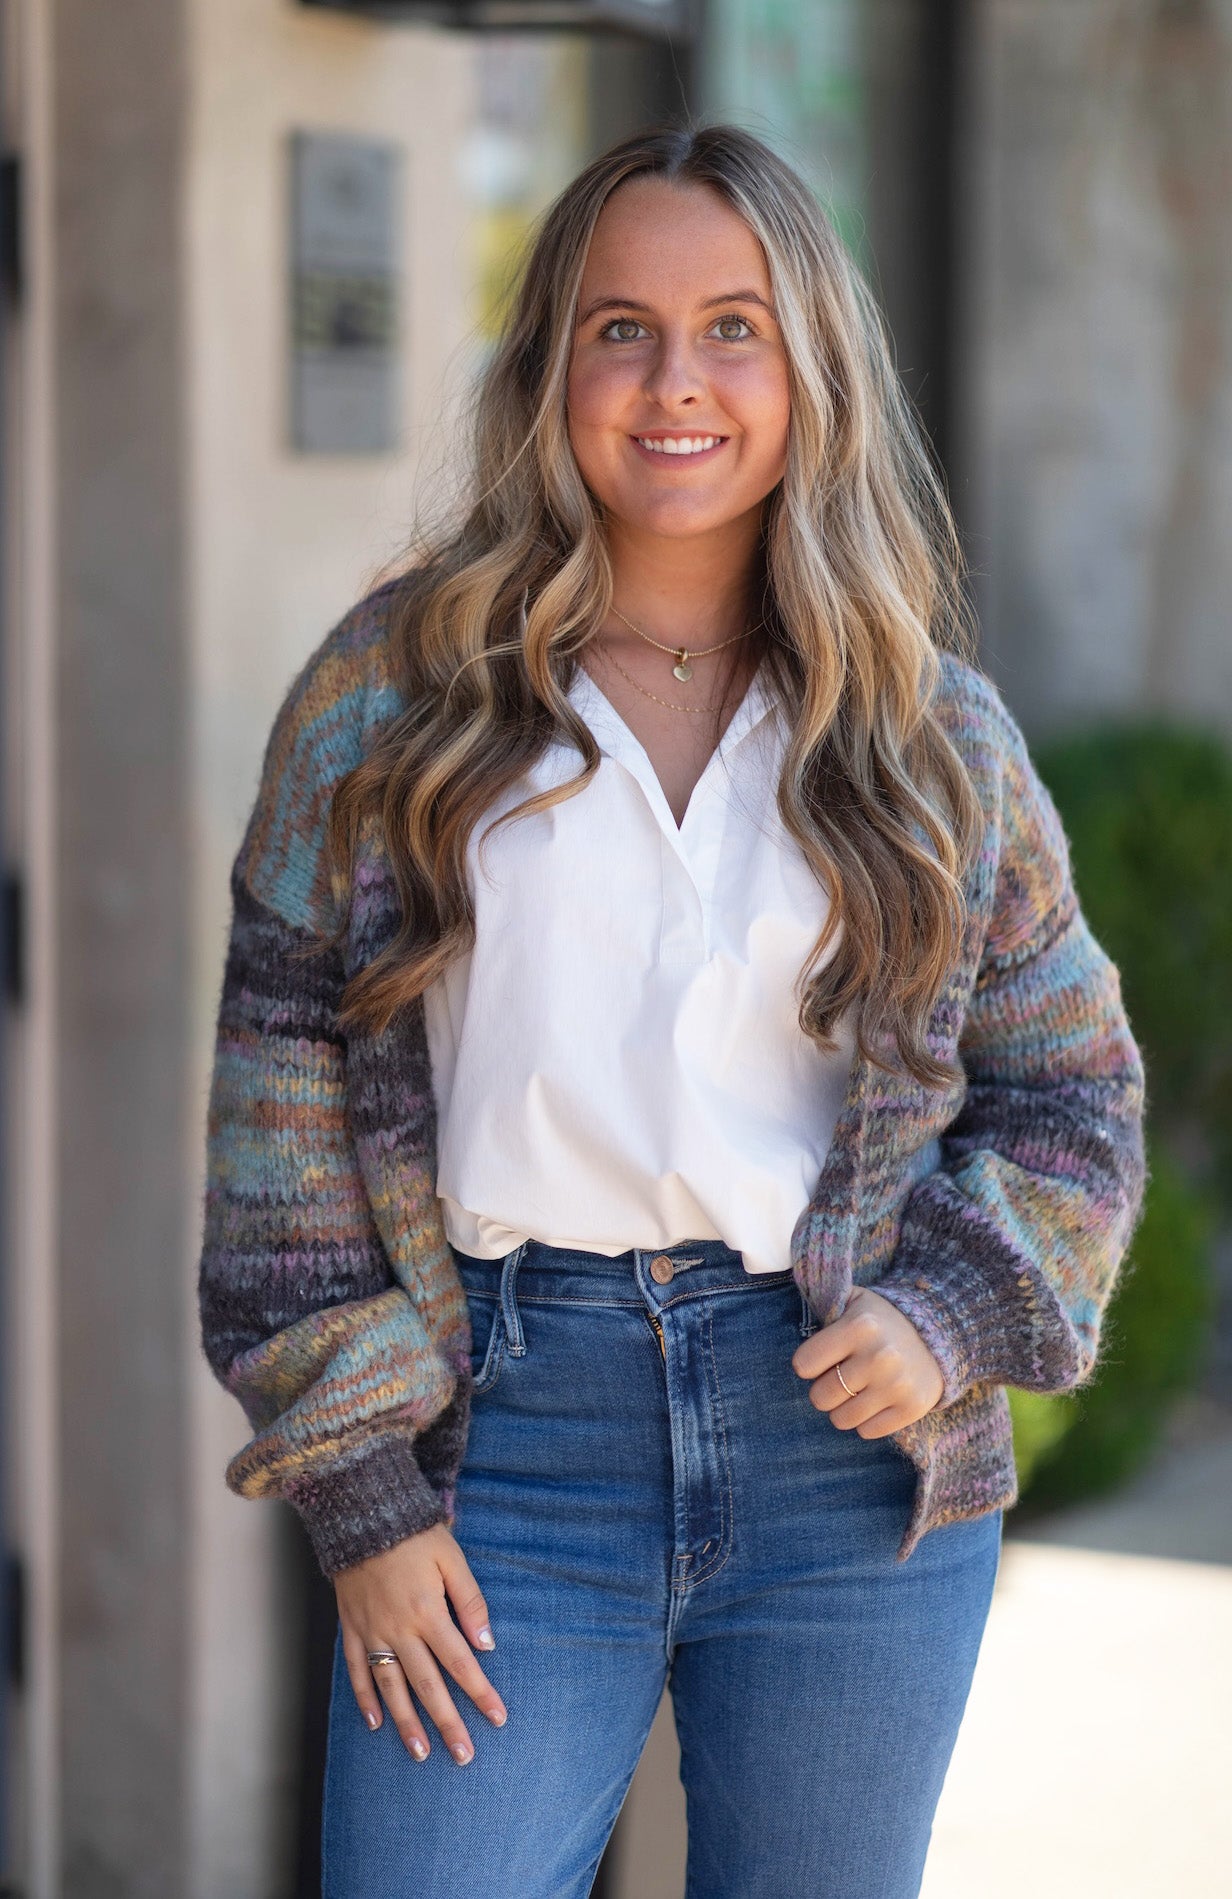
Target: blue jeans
[[642, 1510]]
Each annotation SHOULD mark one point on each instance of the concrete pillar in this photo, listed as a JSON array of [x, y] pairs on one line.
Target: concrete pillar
[[1098, 427], [122, 869]]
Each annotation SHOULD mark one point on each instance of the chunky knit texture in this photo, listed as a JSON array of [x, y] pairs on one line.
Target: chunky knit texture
[[995, 1214]]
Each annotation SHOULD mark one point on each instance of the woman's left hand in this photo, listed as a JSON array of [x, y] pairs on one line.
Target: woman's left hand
[[893, 1374]]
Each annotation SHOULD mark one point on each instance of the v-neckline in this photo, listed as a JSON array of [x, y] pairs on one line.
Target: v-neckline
[[755, 702]]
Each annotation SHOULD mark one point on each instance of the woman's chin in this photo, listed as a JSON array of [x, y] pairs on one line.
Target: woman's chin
[[674, 519]]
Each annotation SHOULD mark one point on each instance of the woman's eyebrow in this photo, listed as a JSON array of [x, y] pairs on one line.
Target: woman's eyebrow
[[610, 303], [711, 303], [737, 296]]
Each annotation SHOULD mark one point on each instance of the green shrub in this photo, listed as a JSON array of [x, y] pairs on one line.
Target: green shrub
[[1147, 809], [1040, 1421], [1156, 1329]]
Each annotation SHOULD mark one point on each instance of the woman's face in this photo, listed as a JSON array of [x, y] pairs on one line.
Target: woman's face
[[676, 344]]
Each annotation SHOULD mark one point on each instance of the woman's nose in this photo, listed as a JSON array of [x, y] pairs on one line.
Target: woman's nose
[[674, 377]]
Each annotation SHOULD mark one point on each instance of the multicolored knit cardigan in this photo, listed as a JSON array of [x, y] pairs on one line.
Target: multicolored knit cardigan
[[995, 1214]]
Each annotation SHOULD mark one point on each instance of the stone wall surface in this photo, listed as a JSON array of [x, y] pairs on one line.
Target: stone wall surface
[[1096, 474]]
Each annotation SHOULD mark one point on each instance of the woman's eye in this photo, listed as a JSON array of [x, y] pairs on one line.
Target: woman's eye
[[730, 329], [621, 324]]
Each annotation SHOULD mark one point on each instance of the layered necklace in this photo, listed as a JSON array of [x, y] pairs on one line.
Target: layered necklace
[[682, 670]]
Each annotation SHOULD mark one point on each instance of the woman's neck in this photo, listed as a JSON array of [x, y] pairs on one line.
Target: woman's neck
[[693, 591]]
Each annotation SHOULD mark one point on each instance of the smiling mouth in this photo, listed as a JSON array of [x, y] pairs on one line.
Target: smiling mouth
[[679, 445]]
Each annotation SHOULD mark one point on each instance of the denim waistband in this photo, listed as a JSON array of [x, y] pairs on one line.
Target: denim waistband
[[536, 1272]]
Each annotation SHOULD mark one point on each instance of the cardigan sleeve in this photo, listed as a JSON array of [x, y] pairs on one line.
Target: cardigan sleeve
[[359, 1417], [1009, 1251]]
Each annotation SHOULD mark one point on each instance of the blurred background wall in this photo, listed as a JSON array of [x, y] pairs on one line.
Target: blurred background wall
[[1097, 402], [1041, 191]]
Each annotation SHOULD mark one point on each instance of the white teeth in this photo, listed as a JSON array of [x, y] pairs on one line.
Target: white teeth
[[686, 445]]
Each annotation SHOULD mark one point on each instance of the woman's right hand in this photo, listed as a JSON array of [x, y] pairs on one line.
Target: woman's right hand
[[397, 1600]]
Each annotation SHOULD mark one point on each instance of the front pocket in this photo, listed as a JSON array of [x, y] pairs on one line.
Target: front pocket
[[487, 1341]]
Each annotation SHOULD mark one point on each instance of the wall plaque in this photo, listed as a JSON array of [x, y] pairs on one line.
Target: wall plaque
[[344, 293]]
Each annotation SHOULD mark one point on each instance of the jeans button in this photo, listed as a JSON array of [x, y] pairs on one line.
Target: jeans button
[[661, 1270]]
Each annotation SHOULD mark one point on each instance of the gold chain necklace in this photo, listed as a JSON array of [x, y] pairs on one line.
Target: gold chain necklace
[[682, 668], [651, 695]]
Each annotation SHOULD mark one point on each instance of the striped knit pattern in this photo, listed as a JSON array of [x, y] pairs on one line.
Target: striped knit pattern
[[995, 1214]]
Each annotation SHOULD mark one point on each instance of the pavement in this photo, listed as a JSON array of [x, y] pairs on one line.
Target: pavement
[[1095, 1755]]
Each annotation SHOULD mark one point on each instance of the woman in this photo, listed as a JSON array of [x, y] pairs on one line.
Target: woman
[[621, 1235]]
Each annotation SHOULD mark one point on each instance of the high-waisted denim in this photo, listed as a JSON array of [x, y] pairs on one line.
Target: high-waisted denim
[[649, 1498]]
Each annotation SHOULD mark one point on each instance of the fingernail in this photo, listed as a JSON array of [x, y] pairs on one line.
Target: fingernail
[[485, 1637], [371, 1719], [498, 1717], [461, 1752], [419, 1750]]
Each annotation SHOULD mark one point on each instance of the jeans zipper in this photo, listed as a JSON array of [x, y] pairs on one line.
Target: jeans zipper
[[658, 1332]]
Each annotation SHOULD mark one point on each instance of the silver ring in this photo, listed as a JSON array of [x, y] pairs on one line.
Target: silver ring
[[381, 1657], [843, 1382]]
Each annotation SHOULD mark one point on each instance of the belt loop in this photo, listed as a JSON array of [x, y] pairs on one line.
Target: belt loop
[[515, 1344], [808, 1321]]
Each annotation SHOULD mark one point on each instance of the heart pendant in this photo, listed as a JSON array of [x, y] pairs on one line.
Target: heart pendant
[[682, 671]]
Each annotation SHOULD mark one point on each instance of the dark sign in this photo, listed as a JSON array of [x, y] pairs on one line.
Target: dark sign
[[653, 19]]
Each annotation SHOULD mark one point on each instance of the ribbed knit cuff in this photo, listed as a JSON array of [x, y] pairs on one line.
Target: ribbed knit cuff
[[986, 1313], [940, 1331], [367, 1503]]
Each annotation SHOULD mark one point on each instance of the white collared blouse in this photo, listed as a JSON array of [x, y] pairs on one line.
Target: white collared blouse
[[618, 1062]]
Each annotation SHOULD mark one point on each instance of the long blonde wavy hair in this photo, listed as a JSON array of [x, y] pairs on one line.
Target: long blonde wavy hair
[[862, 585]]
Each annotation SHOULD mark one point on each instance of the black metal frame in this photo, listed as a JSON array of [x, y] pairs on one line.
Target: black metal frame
[[641, 19], [947, 31], [12, 1570]]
